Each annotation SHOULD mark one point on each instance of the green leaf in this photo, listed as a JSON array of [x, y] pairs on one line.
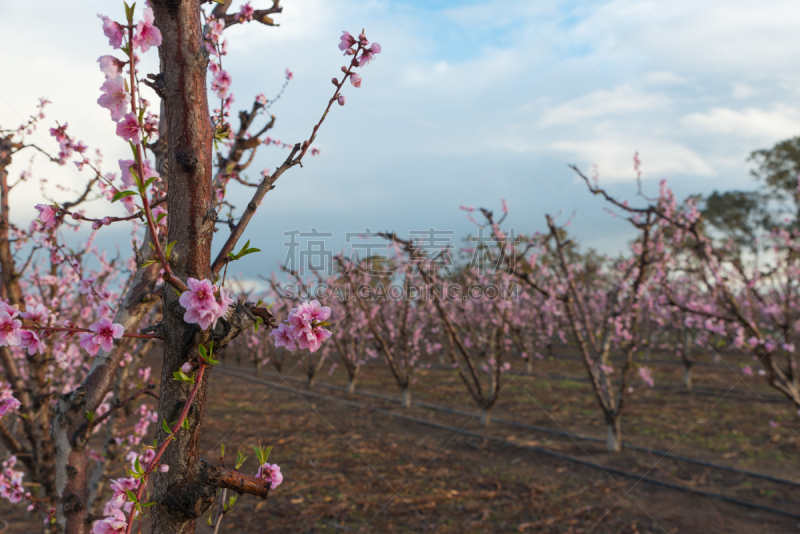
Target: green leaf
[[137, 466], [180, 376], [90, 416], [165, 426], [122, 194], [148, 263], [262, 453], [131, 496], [240, 458], [185, 423], [160, 216], [168, 250], [149, 181], [222, 449], [202, 350]]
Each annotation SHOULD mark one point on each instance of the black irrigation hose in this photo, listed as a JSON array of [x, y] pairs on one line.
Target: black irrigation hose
[[546, 452], [579, 437]]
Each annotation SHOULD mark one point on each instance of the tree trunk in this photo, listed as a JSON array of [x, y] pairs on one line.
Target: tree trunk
[[311, 380], [184, 61], [486, 416], [406, 397], [351, 384], [687, 376], [614, 434], [529, 365]]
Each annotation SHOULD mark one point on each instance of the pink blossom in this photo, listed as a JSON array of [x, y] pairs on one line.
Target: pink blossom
[[163, 468], [202, 307], [313, 340], [9, 330], [289, 74], [245, 13], [773, 424], [146, 34], [262, 99], [105, 333], [88, 344], [126, 165], [122, 485], [129, 129], [369, 54], [186, 367], [8, 404], [341, 100], [221, 83], [37, 314], [47, 216], [114, 98], [355, 79], [284, 337], [271, 472], [347, 41], [110, 66], [747, 370], [116, 523], [29, 340], [647, 375], [200, 295], [112, 30], [313, 311]]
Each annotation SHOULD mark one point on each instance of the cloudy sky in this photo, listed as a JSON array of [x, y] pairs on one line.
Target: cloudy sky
[[469, 103]]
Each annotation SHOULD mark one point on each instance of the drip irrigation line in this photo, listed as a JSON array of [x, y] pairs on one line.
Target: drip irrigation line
[[539, 450], [561, 433]]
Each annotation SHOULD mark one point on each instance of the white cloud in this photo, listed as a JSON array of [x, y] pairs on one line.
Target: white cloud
[[614, 157], [750, 123], [664, 77], [742, 90], [620, 100]]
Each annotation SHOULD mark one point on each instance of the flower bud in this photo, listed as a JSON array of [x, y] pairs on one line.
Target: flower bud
[[76, 216], [163, 468], [334, 81], [341, 100], [186, 367]]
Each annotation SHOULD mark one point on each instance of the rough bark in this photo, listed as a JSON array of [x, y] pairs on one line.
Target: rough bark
[[180, 494]]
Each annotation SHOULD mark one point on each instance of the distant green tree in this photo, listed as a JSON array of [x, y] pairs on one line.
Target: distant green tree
[[745, 215], [739, 215]]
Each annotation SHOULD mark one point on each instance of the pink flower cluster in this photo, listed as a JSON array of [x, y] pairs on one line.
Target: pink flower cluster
[[367, 54], [9, 326], [205, 303], [304, 327], [116, 98], [48, 216], [11, 482], [102, 336], [647, 376], [7, 402], [271, 472]]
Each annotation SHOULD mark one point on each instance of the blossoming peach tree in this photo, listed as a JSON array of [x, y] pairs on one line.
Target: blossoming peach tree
[[73, 360]]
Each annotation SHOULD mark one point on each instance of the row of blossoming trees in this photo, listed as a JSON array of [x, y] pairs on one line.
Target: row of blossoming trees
[[675, 290], [79, 404]]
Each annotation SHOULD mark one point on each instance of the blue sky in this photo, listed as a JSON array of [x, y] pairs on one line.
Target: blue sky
[[470, 102]]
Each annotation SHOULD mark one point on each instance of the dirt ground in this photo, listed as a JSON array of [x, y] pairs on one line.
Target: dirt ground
[[354, 470]]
